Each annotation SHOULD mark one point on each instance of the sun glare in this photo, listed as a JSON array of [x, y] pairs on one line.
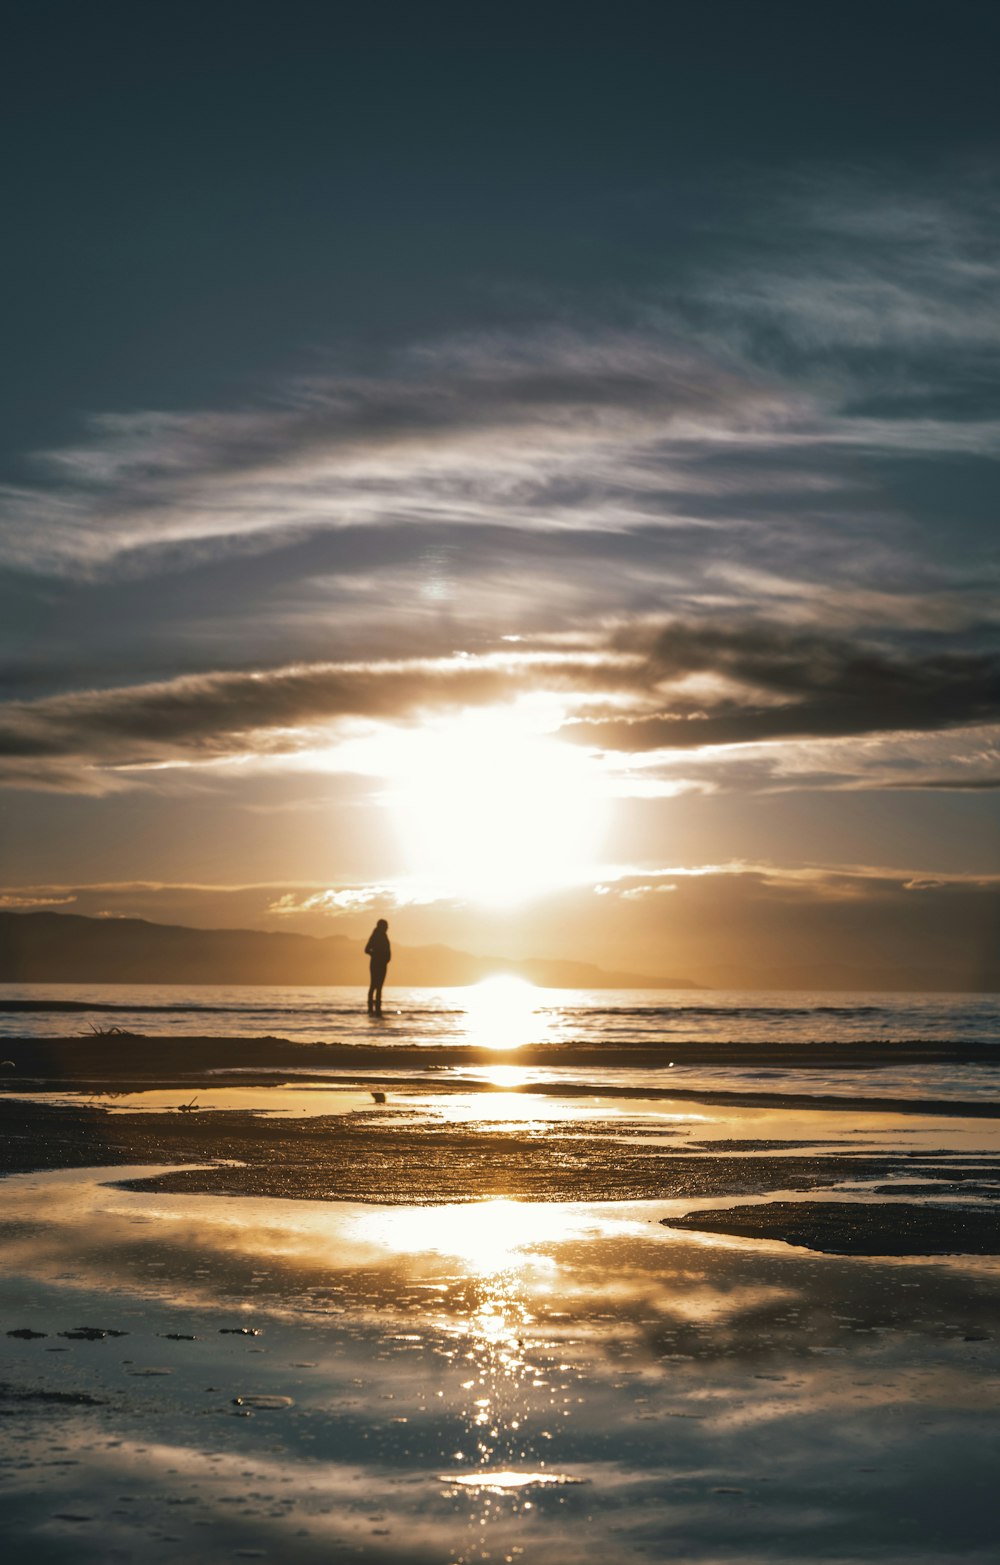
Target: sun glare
[[494, 810], [487, 1236], [501, 1011]]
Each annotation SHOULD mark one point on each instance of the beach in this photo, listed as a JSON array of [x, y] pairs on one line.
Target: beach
[[424, 1295], [499, 765]]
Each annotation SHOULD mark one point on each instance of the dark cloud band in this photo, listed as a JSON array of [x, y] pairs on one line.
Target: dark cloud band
[[801, 686], [629, 692]]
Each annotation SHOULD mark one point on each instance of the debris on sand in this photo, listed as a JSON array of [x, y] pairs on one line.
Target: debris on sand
[[49, 1398], [264, 1403], [91, 1333]]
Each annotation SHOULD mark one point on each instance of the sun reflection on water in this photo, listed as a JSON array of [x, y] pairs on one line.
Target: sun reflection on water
[[508, 1414], [503, 1012], [497, 1482], [509, 1076], [488, 1236], [514, 1392]]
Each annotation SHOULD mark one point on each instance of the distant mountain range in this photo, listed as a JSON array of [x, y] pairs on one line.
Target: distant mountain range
[[66, 948]]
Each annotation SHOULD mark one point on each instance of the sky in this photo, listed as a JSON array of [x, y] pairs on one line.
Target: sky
[[526, 472]]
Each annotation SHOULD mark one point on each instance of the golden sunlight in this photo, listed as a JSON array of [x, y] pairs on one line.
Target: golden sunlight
[[494, 808], [494, 1482], [501, 1013], [488, 1236]]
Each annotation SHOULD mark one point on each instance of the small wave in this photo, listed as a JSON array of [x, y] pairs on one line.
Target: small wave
[[94, 1005], [748, 1012], [316, 1008]]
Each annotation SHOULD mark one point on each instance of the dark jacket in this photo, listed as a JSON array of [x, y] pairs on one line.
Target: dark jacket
[[378, 948]]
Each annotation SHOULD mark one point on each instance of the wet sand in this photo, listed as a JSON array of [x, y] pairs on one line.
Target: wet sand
[[411, 1153], [465, 1323], [114, 1063]]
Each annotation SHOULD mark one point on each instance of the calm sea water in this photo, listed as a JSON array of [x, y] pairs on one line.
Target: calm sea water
[[505, 1015]]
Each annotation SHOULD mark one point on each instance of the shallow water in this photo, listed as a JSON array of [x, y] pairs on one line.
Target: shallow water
[[501, 1381], [503, 1012], [593, 1034]]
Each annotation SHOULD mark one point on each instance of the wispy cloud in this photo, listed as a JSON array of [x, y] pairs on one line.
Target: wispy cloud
[[351, 899], [24, 901], [867, 259], [639, 689], [543, 429], [858, 313]]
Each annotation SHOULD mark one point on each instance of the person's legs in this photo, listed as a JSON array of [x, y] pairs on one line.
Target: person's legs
[[375, 990]]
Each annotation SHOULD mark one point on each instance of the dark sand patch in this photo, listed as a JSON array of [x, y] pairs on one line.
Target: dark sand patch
[[512, 1168], [123, 1054], [857, 1228], [941, 1187], [362, 1157]]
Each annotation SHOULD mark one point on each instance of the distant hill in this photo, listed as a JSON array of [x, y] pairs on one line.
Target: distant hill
[[66, 948]]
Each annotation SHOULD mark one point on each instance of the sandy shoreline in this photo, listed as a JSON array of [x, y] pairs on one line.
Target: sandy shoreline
[[409, 1152], [141, 1054], [552, 1323], [121, 1063]]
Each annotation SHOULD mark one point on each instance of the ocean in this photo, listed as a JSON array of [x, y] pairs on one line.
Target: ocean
[[579, 1038]]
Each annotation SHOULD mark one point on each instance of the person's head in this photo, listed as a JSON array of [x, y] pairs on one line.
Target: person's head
[[382, 924]]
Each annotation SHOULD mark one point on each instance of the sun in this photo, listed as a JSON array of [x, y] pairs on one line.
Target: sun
[[493, 810]]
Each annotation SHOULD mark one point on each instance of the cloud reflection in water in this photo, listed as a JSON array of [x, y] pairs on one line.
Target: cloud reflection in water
[[571, 1382]]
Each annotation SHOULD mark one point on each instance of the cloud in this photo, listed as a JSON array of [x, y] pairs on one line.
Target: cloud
[[266, 905], [865, 260], [533, 429], [271, 712], [956, 784], [794, 684], [851, 316], [639, 688], [350, 899], [719, 462], [950, 760], [21, 901], [758, 420]]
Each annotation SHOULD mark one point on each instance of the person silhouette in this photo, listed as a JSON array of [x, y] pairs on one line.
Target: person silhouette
[[380, 952]]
